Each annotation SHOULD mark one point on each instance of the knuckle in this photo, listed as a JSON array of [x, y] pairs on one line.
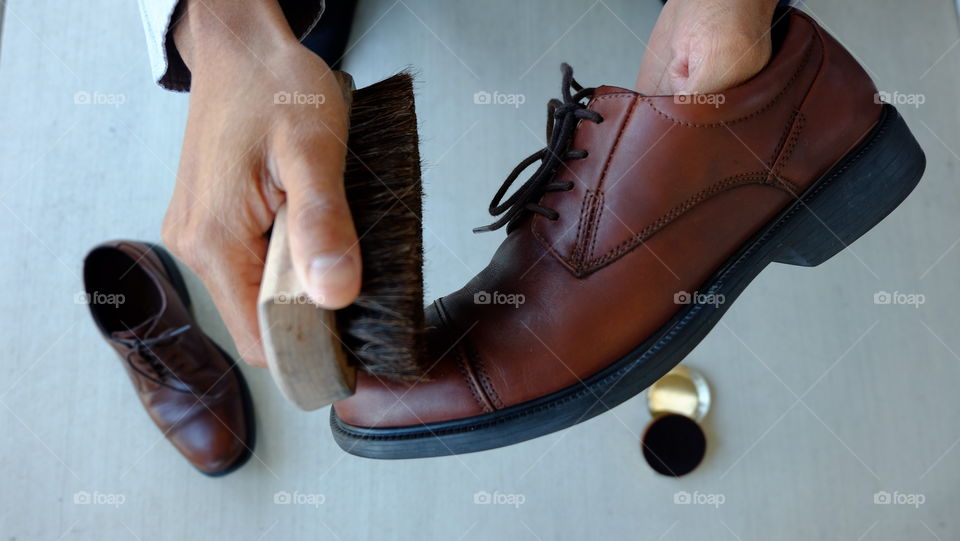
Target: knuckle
[[312, 137], [171, 235], [317, 203], [191, 246], [321, 211]]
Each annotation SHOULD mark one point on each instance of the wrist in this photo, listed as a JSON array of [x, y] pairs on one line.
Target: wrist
[[211, 32]]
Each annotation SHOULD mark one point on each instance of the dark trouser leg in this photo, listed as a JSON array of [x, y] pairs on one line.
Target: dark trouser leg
[[329, 38]]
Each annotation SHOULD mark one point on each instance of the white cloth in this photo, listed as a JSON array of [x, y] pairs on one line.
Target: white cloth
[[168, 68]]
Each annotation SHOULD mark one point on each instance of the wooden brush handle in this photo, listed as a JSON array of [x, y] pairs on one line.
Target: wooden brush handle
[[300, 339], [303, 350]]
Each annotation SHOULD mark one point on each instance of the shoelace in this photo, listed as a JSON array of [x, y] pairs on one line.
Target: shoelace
[[143, 348], [562, 119]]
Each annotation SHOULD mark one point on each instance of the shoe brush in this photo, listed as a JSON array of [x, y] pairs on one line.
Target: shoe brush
[[313, 354]]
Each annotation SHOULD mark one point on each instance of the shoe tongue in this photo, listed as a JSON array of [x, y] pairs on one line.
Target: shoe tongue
[[141, 331]]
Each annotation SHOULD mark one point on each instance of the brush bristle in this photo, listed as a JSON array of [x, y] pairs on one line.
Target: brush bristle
[[383, 329]]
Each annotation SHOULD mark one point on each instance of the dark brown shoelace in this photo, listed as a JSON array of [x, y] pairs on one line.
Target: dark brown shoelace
[[142, 348], [562, 119]]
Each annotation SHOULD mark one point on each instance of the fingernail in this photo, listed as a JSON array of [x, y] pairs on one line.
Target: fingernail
[[332, 276]]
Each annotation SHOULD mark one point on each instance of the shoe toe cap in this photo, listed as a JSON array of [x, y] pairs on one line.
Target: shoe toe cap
[[444, 393]]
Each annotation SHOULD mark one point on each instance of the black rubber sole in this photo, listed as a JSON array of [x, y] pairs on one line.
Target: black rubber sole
[[854, 196], [180, 286]]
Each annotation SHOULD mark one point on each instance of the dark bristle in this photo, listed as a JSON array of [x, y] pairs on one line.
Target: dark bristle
[[383, 329]]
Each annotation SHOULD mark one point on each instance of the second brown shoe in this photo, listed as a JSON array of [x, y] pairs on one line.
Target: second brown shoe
[[189, 386], [647, 217]]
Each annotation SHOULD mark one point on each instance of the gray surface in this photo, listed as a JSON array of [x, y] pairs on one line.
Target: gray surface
[[822, 398]]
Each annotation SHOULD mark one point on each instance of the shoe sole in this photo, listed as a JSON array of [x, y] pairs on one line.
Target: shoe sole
[[854, 196], [180, 286]]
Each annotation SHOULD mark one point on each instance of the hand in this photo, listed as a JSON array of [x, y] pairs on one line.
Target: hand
[[247, 150], [705, 46]]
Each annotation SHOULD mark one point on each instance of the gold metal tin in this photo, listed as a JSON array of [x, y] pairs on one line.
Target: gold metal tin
[[681, 391]]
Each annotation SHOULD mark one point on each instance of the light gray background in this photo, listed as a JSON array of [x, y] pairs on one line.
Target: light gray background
[[822, 398]]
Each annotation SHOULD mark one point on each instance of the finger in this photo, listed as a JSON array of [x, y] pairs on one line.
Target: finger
[[323, 239], [653, 72], [651, 80]]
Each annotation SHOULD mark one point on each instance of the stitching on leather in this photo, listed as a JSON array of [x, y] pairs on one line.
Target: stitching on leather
[[616, 95], [797, 128], [485, 381], [791, 187], [585, 244], [585, 209], [594, 225], [462, 363], [563, 259], [787, 185], [768, 105], [616, 376], [580, 270], [338, 425], [471, 384], [720, 186], [616, 143], [790, 145], [782, 141], [586, 229]]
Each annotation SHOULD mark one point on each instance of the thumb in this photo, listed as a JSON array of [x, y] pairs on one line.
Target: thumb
[[323, 239]]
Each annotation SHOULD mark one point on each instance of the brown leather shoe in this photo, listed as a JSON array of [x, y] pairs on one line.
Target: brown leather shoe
[[189, 386], [647, 217]]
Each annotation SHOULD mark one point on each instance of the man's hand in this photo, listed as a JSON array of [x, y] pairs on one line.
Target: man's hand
[[704, 46], [267, 125]]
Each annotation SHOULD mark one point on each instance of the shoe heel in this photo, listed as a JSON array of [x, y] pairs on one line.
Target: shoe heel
[[865, 187]]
